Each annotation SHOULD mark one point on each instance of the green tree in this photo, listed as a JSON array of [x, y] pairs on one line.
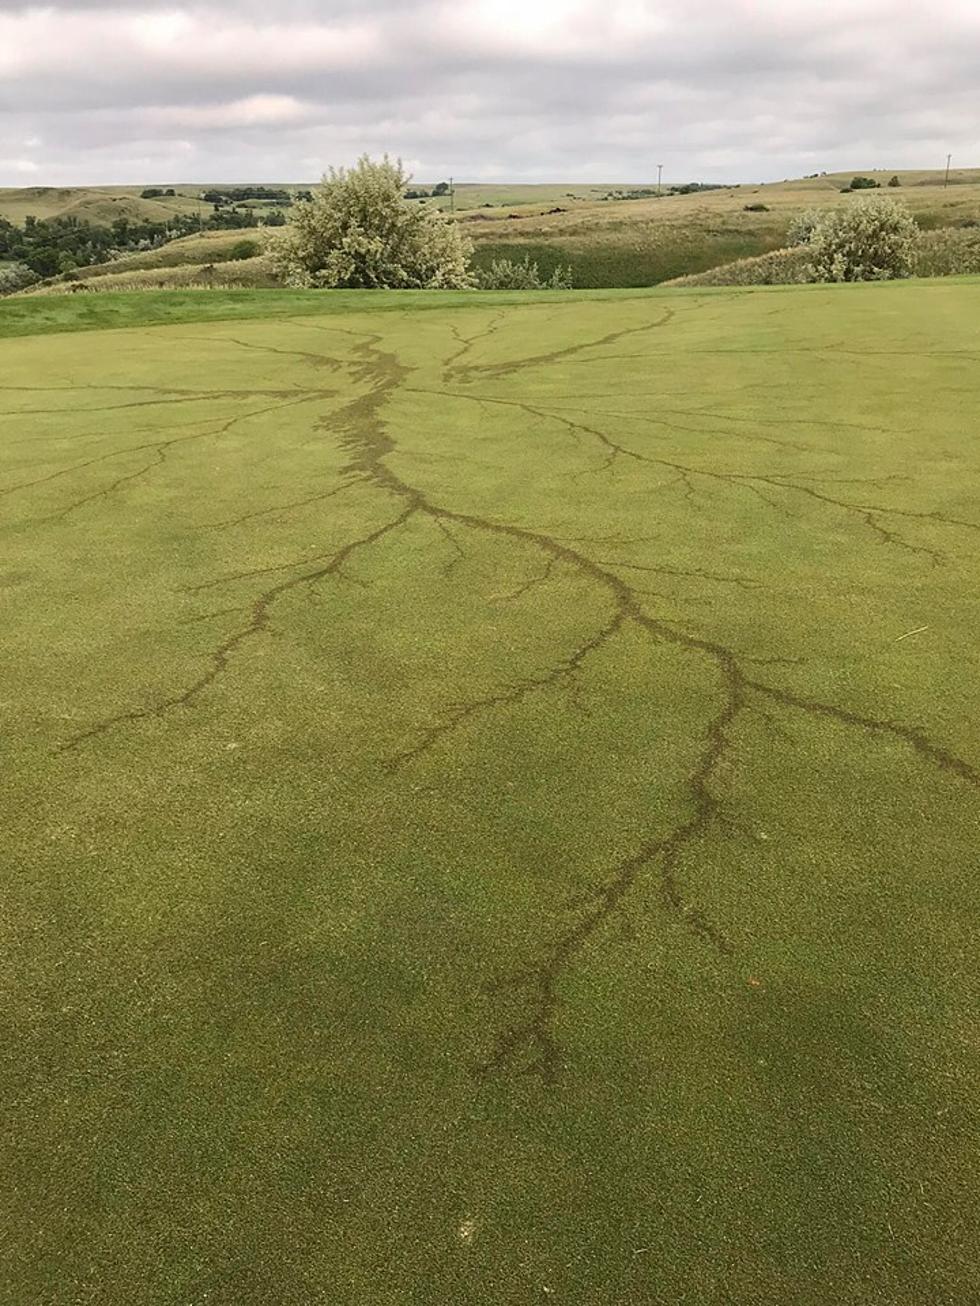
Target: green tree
[[875, 240], [894, 182], [359, 233]]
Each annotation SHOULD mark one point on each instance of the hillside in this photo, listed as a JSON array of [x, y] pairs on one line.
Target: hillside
[[239, 273], [103, 204], [201, 248], [642, 242], [607, 242], [99, 205]]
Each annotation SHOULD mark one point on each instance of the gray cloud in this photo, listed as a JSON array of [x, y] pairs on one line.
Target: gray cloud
[[493, 89]]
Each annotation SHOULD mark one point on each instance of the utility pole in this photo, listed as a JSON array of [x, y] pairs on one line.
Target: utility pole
[[452, 196], [660, 173], [946, 182]]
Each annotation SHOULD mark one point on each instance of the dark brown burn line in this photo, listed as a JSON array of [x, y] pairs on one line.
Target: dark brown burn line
[[181, 391], [466, 343], [751, 481], [161, 449], [155, 445], [531, 1042], [101, 437], [350, 418], [194, 397], [317, 360], [559, 355], [916, 739], [814, 352], [159, 458], [868, 513], [531, 583], [277, 508], [664, 414], [461, 712], [743, 582], [458, 553], [257, 623]]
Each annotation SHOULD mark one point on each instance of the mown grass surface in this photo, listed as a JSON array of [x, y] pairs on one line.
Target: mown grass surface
[[490, 799], [33, 315]]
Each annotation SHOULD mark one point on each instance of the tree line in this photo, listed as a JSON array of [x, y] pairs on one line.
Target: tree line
[[50, 247]]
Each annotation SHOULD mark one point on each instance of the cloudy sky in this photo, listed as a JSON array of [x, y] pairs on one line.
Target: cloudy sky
[[537, 90]]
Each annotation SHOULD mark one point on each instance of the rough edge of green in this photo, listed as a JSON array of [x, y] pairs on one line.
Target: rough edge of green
[[27, 316]]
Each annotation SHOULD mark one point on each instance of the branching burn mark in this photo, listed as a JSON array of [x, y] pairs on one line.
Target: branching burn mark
[[258, 622], [458, 713], [450, 366], [916, 739], [530, 1043], [560, 355], [540, 579], [457, 555], [316, 360], [277, 509], [753, 482], [159, 449]]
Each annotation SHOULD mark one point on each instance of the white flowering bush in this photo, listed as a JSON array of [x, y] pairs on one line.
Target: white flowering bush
[[869, 240], [15, 277], [802, 227], [505, 274], [359, 233]]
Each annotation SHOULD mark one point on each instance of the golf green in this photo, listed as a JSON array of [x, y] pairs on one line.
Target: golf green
[[491, 796]]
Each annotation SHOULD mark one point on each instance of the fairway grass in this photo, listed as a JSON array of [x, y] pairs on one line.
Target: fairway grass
[[490, 798]]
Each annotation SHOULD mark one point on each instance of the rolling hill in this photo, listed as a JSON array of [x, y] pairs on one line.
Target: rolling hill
[[606, 241]]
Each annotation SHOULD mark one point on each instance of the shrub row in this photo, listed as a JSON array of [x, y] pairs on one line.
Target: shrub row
[[947, 252]]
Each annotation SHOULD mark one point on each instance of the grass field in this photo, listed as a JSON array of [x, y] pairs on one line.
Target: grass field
[[491, 798]]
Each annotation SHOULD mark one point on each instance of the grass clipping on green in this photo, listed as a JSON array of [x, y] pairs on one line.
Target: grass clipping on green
[[491, 797]]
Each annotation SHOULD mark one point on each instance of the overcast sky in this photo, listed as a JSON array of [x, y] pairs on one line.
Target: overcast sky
[[535, 90]]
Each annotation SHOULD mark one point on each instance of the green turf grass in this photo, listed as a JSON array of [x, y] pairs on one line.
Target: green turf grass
[[490, 799]]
